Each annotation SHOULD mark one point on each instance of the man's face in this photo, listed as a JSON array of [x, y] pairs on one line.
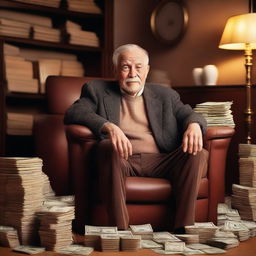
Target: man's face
[[132, 71]]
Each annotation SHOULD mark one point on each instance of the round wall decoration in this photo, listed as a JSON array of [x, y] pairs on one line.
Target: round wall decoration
[[168, 21]]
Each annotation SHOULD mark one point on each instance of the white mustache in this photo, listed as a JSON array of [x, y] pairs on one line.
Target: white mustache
[[133, 79]]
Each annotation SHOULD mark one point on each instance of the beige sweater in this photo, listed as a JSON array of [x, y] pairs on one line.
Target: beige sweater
[[134, 123]]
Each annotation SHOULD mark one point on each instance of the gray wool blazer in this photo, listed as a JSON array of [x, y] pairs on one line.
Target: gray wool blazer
[[168, 117]]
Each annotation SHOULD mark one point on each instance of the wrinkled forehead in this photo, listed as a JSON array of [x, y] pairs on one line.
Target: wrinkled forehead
[[135, 56]]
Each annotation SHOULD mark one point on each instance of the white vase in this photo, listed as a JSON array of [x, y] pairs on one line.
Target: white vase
[[210, 75], [197, 76]]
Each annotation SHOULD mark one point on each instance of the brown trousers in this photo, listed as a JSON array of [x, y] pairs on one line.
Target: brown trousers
[[182, 169]]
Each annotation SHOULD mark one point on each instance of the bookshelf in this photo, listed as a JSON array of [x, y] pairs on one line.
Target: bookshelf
[[95, 59]]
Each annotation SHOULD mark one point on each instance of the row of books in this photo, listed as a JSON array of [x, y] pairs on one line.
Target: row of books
[[19, 123], [26, 70], [79, 36], [40, 28], [87, 6]]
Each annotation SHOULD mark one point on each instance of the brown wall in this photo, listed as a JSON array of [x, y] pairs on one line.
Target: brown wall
[[199, 45]]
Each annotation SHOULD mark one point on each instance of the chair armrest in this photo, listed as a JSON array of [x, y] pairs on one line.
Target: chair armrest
[[218, 132], [79, 132]]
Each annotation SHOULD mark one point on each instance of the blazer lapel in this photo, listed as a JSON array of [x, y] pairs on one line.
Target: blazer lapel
[[112, 102], [154, 109]]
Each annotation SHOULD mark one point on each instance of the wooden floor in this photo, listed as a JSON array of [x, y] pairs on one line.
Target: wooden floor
[[247, 248]]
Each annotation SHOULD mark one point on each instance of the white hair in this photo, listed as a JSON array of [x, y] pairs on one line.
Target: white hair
[[127, 47]]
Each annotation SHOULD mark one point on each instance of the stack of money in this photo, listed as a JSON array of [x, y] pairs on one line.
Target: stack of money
[[186, 251], [47, 189], [21, 193], [150, 244], [75, 249], [205, 230], [8, 237], [221, 219], [233, 214], [92, 240], [238, 228], [223, 243], [227, 201], [145, 230], [190, 250], [251, 225], [110, 242], [130, 243], [98, 230], [216, 113], [162, 237], [174, 246], [247, 171], [206, 249], [224, 234], [247, 150], [222, 209], [27, 249], [55, 227], [224, 240], [244, 199], [226, 213], [92, 237], [188, 238], [122, 233], [59, 201]]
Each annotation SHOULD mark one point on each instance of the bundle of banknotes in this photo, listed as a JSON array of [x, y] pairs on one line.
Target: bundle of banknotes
[[111, 239], [9, 237], [143, 236], [56, 226], [225, 212], [244, 199], [21, 195], [205, 230], [247, 165]]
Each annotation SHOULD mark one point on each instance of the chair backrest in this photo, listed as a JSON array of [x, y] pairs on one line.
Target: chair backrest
[[62, 91]]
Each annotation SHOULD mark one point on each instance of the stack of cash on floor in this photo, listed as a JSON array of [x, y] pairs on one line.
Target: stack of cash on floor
[[32, 218], [55, 226], [216, 113], [244, 194], [111, 239], [229, 220], [201, 238], [29, 209], [9, 237], [21, 195]]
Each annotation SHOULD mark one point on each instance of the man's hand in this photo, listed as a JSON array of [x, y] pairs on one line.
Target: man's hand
[[119, 141], [192, 141]]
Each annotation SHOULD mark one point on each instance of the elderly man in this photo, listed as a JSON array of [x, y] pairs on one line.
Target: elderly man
[[143, 130]]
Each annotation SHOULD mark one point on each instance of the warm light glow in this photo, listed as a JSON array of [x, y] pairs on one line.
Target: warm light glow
[[239, 31]]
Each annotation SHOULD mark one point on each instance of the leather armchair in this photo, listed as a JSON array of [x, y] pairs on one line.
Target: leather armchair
[[67, 163]]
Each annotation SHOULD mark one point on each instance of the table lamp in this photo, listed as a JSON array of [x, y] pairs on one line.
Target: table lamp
[[240, 34]]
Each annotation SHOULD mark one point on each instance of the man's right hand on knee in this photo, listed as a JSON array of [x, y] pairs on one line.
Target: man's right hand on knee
[[118, 139]]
